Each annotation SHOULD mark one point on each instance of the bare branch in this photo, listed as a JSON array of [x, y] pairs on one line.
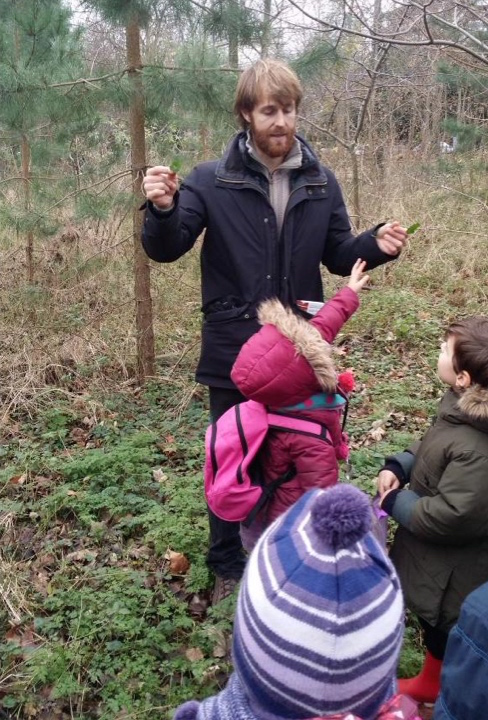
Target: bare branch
[[109, 180], [338, 140], [393, 37]]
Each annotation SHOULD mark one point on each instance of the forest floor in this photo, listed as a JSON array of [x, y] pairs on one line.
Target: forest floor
[[103, 527]]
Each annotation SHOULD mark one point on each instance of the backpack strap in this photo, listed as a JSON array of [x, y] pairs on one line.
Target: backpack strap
[[286, 423], [346, 407], [268, 491], [291, 423]]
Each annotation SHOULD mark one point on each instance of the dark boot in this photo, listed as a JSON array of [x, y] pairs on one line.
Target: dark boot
[[223, 588]]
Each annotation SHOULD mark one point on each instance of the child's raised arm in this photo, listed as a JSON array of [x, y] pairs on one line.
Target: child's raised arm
[[358, 278]]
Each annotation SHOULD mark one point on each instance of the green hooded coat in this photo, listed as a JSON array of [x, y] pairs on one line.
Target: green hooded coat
[[440, 549]]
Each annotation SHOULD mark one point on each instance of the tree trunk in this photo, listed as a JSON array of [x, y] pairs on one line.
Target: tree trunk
[[233, 34], [142, 277], [376, 139], [26, 180], [355, 188], [377, 29], [204, 141], [266, 34]]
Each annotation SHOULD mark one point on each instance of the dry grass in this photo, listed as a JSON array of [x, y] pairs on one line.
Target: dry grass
[[13, 594], [75, 327], [448, 196]]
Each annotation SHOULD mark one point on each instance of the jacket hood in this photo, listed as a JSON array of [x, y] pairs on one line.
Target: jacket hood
[[290, 358], [474, 404], [305, 338]]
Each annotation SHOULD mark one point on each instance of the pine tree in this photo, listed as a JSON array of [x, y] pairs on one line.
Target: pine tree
[[162, 96], [133, 15], [237, 23], [466, 90], [38, 49]]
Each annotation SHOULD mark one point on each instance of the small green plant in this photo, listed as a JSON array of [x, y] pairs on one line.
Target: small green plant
[[413, 228], [176, 165], [412, 654]]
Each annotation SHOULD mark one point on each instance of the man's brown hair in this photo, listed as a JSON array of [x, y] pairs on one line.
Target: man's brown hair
[[270, 77], [470, 337]]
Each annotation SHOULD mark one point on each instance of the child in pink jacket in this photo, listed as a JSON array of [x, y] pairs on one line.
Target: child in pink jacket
[[288, 366]]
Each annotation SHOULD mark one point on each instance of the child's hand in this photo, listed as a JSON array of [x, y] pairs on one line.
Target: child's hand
[[386, 481], [358, 279]]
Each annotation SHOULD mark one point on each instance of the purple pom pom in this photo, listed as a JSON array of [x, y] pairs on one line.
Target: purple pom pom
[[341, 516], [187, 711]]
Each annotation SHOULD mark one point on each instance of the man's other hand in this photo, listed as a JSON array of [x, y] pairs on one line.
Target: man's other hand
[[391, 238]]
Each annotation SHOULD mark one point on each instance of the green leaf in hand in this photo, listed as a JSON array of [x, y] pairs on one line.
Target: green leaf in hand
[[413, 228], [176, 165]]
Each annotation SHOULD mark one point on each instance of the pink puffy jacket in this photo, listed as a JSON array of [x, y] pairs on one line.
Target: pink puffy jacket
[[286, 363], [289, 359]]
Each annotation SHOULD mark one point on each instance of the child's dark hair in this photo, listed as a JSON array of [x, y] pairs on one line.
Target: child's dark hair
[[471, 347]]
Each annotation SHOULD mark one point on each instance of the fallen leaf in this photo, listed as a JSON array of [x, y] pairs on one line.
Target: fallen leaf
[[159, 476], [194, 654], [211, 672], [79, 436], [30, 710], [377, 434], [198, 606], [24, 638], [42, 482], [140, 552], [178, 563], [82, 555], [40, 581], [221, 642]]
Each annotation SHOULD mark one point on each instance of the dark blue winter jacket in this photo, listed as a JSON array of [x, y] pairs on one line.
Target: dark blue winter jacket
[[464, 679], [243, 258]]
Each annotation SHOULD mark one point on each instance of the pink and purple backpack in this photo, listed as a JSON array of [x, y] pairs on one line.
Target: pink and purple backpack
[[234, 487]]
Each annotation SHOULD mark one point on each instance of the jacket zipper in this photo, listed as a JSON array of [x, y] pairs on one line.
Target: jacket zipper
[[261, 192], [275, 264], [244, 182]]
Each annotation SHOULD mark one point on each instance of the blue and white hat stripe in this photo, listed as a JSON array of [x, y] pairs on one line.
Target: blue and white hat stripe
[[317, 627]]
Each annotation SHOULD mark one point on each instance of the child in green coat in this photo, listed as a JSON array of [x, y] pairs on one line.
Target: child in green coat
[[440, 548]]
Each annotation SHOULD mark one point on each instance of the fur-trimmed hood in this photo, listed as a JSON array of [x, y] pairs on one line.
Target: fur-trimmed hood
[[305, 338], [290, 358], [474, 404]]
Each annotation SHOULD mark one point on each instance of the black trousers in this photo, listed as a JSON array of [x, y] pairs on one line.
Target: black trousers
[[225, 556], [435, 640]]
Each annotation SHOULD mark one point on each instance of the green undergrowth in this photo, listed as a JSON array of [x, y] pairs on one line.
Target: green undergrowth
[[103, 527]]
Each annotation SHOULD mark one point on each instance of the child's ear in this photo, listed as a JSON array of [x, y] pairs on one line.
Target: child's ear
[[463, 379]]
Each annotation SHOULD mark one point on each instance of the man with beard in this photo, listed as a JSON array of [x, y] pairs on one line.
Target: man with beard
[[272, 214]]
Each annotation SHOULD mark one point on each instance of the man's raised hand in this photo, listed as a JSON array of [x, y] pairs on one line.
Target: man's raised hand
[[160, 185]]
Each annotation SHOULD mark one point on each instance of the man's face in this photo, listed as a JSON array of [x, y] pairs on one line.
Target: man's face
[[272, 126]]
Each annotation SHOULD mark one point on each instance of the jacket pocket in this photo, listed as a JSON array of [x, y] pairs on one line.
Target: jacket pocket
[[227, 309], [425, 574]]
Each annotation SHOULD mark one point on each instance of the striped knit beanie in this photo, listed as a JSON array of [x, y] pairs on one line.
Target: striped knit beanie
[[319, 620]]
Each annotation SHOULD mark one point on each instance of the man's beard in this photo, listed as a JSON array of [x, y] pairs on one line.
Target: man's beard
[[273, 147]]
